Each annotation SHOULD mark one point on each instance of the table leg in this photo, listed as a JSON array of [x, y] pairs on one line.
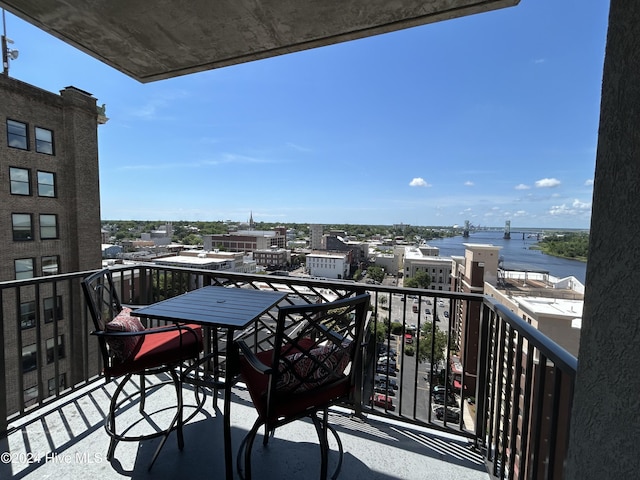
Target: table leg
[[228, 382]]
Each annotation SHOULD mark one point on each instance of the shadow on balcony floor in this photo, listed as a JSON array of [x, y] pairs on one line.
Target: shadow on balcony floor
[[68, 441]]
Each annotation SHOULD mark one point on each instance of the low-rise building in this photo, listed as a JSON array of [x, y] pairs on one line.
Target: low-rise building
[[421, 259], [329, 264], [246, 240], [272, 257]]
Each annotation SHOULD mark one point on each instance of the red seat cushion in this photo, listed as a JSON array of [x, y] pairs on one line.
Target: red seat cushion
[[162, 348]]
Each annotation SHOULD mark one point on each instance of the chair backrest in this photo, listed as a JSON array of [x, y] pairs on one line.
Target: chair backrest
[[103, 303], [317, 348]]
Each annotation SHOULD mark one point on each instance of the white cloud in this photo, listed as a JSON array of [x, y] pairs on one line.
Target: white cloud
[[588, 182], [522, 186], [547, 183], [576, 208], [469, 183], [419, 182]]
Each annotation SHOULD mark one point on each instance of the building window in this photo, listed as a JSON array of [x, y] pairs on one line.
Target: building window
[[20, 181], [46, 184], [24, 268], [61, 383], [29, 358], [44, 141], [50, 265], [50, 312], [17, 135], [30, 395], [27, 315], [52, 348], [48, 226], [22, 228]]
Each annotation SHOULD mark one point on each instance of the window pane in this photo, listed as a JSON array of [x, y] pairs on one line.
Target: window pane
[[27, 315], [30, 396], [48, 226], [17, 134], [49, 310], [22, 226], [50, 265], [44, 141], [24, 268], [51, 348], [51, 384], [46, 184], [29, 358], [20, 184]]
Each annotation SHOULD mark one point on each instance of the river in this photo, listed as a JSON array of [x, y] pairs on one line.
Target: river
[[516, 253]]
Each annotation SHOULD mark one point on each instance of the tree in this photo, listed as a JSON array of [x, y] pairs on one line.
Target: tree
[[425, 340], [383, 302], [192, 239], [376, 273], [379, 328], [419, 280]]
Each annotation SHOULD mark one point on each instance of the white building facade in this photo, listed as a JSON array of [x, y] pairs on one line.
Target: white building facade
[[438, 268], [328, 264]]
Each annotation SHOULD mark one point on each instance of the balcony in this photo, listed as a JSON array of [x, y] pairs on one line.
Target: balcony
[[514, 398]]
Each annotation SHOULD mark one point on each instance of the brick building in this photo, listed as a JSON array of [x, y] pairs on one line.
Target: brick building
[[49, 219]]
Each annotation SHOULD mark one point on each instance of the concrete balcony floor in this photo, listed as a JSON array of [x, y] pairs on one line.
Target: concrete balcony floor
[[67, 440]]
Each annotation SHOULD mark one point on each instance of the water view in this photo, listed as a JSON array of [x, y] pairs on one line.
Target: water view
[[516, 253]]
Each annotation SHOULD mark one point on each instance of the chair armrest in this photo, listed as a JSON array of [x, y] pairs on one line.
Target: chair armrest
[[148, 331], [252, 360]]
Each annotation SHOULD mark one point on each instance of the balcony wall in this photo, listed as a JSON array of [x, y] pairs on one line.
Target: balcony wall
[[514, 403]]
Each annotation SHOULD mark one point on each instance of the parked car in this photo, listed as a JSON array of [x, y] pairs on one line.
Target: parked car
[[442, 388], [391, 371], [382, 388], [382, 350], [382, 400], [427, 311], [384, 361], [453, 414], [438, 399], [381, 379], [446, 314]]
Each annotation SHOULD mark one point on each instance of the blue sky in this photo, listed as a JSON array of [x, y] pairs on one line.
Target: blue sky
[[486, 118]]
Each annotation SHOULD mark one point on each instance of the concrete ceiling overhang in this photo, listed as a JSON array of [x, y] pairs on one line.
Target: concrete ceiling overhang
[[153, 40]]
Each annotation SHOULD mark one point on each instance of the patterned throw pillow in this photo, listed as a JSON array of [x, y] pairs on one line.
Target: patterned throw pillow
[[123, 347], [300, 373]]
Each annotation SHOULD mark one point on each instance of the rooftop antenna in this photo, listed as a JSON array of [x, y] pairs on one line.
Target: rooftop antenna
[[7, 53]]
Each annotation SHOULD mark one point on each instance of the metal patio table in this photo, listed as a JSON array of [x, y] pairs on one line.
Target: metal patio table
[[217, 307]]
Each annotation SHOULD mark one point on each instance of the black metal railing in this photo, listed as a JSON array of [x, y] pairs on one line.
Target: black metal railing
[[500, 382]]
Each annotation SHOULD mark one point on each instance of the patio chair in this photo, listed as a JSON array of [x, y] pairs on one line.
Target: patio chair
[[314, 363], [128, 349]]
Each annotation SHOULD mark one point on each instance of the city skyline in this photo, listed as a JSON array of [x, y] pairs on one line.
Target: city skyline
[[486, 118]]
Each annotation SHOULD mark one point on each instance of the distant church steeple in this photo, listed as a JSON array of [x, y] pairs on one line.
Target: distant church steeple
[[251, 220]]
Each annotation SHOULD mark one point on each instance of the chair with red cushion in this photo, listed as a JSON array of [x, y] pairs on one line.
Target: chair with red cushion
[[128, 349], [313, 362]]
